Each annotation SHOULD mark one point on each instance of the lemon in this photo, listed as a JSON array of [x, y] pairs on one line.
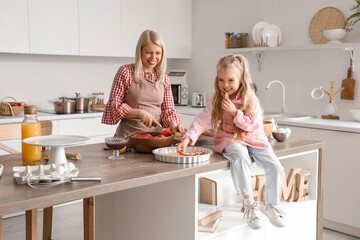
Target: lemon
[[122, 150]]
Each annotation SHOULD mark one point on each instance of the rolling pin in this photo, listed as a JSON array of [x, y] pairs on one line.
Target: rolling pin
[[75, 156]]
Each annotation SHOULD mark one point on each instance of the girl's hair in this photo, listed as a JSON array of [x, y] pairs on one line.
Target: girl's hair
[[147, 37], [244, 90]]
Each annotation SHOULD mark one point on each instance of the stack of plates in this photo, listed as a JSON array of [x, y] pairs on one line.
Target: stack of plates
[[266, 34]]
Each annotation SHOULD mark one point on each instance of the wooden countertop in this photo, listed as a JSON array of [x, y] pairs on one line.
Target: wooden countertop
[[133, 171]]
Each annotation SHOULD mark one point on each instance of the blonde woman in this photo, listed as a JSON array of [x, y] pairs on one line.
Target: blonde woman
[[236, 113], [141, 94]]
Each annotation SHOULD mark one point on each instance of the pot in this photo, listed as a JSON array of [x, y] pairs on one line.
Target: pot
[[81, 103], [64, 106]]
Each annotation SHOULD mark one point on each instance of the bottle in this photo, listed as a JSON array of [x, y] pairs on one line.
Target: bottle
[[30, 127]]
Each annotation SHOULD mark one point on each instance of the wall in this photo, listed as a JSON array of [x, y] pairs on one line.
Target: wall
[[300, 71]]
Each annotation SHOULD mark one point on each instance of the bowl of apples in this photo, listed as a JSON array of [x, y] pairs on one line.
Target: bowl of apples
[[145, 142]]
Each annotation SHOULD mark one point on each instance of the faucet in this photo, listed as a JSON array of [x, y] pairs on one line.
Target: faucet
[[283, 107]]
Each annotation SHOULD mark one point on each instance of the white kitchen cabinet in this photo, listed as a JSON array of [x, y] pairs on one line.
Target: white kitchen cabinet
[[137, 16], [14, 31], [341, 177], [175, 27], [53, 27], [100, 27]]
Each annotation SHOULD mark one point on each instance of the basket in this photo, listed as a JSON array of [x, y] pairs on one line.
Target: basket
[[7, 110]]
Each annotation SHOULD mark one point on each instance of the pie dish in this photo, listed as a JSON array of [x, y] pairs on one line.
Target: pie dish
[[170, 155], [257, 31], [272, 35]]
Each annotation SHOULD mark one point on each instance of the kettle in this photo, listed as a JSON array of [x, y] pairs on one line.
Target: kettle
[[198, 99]]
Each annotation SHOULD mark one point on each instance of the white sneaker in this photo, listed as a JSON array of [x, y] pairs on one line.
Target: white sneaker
[[274, 214], [251, 215]]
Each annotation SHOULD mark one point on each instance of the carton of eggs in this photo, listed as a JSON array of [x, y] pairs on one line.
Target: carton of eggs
[[44, 172], [281, 134]]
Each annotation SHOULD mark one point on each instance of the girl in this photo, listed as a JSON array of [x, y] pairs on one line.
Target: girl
[[235, 112], [141, 94]]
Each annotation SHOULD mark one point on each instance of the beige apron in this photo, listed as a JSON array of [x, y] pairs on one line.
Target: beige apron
[[146, 95]]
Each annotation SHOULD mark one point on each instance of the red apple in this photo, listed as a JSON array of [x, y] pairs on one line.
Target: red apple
[[14, 105], [161, 136], [147, 135], [166, 132], [22, 104]]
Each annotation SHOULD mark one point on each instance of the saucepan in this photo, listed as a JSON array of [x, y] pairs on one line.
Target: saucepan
[[64, 106]]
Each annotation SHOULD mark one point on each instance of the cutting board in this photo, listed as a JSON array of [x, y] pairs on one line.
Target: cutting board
[[349, 86]]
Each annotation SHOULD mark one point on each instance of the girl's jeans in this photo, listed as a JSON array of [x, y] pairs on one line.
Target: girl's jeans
[[239, 157]]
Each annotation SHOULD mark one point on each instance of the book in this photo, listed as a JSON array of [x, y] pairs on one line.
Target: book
[[208, 191], [210, 218], [211, 227], [205, 210]]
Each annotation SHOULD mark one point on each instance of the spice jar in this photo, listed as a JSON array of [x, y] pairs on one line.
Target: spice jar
[[244, 39], [228, 39], [30, 127], [233, 41]]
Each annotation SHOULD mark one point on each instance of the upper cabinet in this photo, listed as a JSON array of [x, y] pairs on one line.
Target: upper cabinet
[[100, 27], [93, 27], [175, 27], [53, 27], [137, 16], [14, 32]]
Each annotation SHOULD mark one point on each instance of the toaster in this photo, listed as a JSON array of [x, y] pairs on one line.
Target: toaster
[[198, 99]]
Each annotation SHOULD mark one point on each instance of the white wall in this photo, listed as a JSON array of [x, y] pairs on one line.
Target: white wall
[[300, 71], [37, 79]]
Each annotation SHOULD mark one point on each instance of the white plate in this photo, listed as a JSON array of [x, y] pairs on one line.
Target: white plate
[[272, 33], [257, 31], [56, 140]]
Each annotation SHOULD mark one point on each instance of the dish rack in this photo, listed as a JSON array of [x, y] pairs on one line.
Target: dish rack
[[7, 110]]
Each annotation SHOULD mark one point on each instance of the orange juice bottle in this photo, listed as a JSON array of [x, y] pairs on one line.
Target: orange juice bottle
[[30, 127]]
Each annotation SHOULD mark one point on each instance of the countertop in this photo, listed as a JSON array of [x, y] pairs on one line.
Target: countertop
[[135, 170], [314, 122]]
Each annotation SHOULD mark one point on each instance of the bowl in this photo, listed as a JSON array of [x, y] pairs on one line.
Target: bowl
[[146, 145], [268, 127], [281, 136], [334, 35], [355, 114]]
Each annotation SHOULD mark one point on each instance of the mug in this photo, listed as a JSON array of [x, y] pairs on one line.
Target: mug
[[317, 93]]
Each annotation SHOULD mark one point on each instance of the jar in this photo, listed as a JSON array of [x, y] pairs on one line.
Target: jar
[[227, 39], [30, 127], [240, 40], [233, 40], [244, 39]]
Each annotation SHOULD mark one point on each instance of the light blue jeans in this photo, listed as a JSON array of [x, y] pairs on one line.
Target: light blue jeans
[[240, 161]]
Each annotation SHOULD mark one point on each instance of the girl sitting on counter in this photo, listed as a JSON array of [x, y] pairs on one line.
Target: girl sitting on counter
[[141, 96]]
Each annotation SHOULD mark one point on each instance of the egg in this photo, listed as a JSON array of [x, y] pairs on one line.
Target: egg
[[280, 130], [70, 166], [60, 169], [288, 130]]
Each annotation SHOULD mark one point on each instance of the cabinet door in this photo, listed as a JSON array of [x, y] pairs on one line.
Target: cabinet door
[[53, 26], [14, 31], [175, 27], [100, 27], [341, 176], [137, 16]]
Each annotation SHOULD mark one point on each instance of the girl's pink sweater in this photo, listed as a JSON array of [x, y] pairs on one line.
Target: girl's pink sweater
[[252, 125]]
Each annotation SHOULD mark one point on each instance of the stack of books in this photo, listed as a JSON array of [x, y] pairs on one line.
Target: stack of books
[[209, 217]]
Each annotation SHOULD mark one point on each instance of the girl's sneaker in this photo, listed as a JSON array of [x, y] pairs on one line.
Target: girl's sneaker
[[251, 215], [274, 214]]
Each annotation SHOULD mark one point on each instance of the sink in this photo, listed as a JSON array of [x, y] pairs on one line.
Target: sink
[[286, 116]]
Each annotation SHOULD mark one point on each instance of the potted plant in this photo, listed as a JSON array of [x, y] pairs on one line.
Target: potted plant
[[353, 18]]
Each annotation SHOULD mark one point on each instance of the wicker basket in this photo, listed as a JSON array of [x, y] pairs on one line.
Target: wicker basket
[[7, 110]]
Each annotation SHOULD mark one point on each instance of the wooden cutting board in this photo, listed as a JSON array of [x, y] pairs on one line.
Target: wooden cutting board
[[349, 86]]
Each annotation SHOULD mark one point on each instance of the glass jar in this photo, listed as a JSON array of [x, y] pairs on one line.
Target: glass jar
[[244, 39], [233, 41], [228, 39], [30, 127]]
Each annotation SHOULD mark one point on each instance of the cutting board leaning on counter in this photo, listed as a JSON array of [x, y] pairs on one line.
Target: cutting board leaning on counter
[[141, 93]]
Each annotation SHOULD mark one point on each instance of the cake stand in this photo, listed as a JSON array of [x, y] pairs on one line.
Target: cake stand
[[57, 144]]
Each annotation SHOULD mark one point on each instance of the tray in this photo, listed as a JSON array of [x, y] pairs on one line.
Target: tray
[[44, 173], [161, 155]]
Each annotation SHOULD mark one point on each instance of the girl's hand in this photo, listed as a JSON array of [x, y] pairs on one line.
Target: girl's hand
[[228, 106], [181, 147], [177, 128], [148, 119]]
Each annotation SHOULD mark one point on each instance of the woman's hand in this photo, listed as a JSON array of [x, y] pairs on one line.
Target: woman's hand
[[148, 119], [181, 147], [174, 127], [229, 106]]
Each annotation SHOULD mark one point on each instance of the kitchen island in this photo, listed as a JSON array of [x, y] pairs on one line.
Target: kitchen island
[[144, 180]]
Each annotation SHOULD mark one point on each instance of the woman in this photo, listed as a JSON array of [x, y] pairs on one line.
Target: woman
[[141, 94]]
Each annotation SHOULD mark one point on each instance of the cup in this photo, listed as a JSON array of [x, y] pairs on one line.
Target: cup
[[317, 93]]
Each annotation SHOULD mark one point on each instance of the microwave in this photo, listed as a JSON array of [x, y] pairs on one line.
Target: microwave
[[179, 87]]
